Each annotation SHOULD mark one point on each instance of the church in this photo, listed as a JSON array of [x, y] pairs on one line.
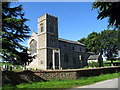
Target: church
[[53, 52]]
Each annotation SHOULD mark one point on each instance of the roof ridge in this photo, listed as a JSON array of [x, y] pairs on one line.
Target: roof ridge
[[70, 41]]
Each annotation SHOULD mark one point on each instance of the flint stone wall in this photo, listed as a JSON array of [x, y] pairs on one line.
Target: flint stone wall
[[38, 75], [75, 73]]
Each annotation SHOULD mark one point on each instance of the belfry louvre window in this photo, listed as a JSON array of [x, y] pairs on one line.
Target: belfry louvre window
[[52, 28], [33, 47], [66, 58], [42, 29]]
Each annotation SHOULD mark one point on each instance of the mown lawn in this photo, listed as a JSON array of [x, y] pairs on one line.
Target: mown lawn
[[107, 63], [57, 83]]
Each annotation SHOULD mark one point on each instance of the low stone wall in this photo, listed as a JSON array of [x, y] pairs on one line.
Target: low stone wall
[[75, 74], [38, 75]]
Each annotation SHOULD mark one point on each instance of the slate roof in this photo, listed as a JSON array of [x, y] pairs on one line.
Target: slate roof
[[69, 41], [93, 57]]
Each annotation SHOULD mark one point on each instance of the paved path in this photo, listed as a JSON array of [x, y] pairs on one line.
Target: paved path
[[112, 83]]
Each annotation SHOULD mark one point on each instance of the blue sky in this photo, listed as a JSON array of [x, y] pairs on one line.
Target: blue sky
[[75, 19]]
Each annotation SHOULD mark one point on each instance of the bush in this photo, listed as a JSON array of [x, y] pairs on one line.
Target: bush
[[93, 64]]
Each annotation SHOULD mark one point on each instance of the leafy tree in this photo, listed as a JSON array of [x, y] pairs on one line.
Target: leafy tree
[[92, 42], [82, 40], [14, 31], [106, 42], [110, 10], [109, 41]]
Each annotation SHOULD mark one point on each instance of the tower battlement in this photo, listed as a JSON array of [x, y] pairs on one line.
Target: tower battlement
[[47, 16]]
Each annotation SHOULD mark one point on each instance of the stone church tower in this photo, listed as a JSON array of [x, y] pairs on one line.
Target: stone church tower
[[48, 42], [52, 52]]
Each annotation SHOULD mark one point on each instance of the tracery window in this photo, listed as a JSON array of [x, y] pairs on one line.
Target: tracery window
[[33, 46]]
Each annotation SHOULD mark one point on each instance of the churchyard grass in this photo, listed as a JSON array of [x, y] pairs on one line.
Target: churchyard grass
[[57, 83], [107, 63], [110, 61], [10, 64]]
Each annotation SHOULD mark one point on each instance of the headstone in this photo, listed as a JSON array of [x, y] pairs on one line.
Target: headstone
[[21, 67], [15, 67], [7, 67], [27, 67], [3, 67], [24, 68], [10, 68], [35, 68], [0, 68]]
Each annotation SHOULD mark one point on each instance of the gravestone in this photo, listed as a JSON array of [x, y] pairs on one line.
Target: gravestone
[[0, 68], [7, 67], [24, 68], [16, 67], [21, 67], [30, 68], [3, 67], [10, 68], [27, 67], [35, 68]]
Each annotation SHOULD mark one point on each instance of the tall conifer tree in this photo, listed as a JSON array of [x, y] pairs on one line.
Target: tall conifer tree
[[14, 31]]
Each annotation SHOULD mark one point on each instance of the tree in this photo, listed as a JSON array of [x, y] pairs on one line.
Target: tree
[[110, 10], [109, 41], [82, 40], [92, 42], [14, 31], [104, 42]]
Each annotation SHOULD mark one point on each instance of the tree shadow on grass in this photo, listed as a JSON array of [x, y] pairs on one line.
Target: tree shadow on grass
[[15, 78]]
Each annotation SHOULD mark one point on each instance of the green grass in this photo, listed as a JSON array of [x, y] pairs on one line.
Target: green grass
[[107, 63], [110, 61], [19, 69], [57, 83]]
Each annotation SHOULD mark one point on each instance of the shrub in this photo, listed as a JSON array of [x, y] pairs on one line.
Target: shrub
[[93, 64]]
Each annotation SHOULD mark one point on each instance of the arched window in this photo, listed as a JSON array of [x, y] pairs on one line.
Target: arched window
[[41, 28], [33, 46]]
